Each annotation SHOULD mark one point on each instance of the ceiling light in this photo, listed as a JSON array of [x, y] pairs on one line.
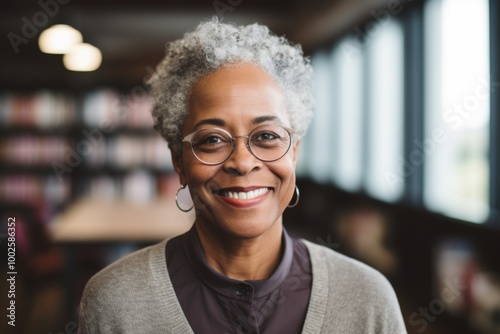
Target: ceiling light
[[59, 39], [82, 58]]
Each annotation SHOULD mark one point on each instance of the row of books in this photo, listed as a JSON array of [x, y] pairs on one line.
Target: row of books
[[30, 150], [122, 151], [138, 186], [108, 108], [44, 110], [101, 108], [129, 151], [34, 189]]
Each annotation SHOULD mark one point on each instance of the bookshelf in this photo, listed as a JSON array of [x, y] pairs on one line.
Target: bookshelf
[[88, 180], [60, 147], [35, 130]]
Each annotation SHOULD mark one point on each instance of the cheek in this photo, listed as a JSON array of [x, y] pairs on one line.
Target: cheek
[[289, 169], [198, 175], [197, 178], [287, 166], [285, 171], [195, 172]]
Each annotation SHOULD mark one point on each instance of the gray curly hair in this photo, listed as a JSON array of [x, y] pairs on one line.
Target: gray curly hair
[[214, 44]]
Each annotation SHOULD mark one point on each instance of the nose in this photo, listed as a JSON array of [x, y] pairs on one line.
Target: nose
[[241, 161]]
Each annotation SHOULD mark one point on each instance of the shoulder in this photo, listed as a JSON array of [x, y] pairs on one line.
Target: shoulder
[[123, 290], [128, 271], [357, 297], [347, 271]]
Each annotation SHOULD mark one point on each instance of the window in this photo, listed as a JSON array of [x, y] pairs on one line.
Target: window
[[457, 108], [347, 71], [320, 140], [385, 111]]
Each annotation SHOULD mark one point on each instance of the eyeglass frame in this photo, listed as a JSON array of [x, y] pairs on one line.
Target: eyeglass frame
[[189, 137]]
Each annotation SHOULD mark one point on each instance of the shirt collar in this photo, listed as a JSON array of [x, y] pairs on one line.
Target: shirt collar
[[232, 288]]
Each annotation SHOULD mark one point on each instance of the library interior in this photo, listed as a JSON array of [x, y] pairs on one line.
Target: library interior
[[399, 168]]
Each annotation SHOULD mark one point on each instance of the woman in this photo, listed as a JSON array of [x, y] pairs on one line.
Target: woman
[[232, 103]]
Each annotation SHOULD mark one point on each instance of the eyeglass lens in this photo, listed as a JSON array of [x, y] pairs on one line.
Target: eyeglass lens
[[267, 143]]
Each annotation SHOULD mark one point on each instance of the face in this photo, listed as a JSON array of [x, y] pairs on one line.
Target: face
[[242, 197]]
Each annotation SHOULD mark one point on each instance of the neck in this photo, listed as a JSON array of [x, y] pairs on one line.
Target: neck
[[241, 258]]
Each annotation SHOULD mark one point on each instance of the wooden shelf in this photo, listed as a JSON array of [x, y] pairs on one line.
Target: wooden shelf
[[94, 220]]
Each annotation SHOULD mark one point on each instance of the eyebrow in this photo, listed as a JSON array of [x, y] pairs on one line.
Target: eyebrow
[[263, 119], [221, 122], [210, 121]]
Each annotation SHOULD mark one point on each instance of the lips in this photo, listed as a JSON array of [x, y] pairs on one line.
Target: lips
[[240, 195]]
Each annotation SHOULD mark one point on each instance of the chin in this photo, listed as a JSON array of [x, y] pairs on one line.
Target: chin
[[244, 228], [250, 232]]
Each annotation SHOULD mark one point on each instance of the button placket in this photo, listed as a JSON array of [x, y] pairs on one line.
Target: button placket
[[241, 291], [245, 292]]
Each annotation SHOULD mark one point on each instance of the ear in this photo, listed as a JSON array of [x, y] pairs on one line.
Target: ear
[[178, 163], [295, 151]]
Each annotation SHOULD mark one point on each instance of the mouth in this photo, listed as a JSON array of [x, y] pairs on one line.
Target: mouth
[[243, 195]]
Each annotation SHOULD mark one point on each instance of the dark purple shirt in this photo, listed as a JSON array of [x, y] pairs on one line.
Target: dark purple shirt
[[214, 303]]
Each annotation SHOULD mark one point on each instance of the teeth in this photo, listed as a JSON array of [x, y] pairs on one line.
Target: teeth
[[245, 195]]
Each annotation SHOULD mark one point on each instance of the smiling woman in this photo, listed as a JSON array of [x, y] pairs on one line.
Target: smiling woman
[[240, 99], [232, 103]]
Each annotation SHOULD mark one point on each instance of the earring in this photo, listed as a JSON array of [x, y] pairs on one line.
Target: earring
[[297, 193], [177, 200]]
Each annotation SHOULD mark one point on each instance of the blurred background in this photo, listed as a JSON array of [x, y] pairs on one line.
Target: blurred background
[[400, 167]]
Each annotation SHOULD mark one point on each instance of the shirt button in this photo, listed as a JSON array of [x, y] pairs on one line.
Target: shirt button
[[241, 291]]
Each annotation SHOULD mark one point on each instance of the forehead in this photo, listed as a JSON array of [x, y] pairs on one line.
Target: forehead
[[236, 94]]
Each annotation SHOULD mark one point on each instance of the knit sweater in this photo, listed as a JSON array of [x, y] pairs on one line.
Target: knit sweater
[[135, 295]]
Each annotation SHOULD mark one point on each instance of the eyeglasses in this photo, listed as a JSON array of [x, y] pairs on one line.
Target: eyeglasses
[[214, 146]]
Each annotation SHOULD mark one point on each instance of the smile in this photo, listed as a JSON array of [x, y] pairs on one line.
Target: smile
[[242, 195]]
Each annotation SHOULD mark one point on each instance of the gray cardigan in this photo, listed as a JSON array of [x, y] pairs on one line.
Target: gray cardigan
[[135, 295]]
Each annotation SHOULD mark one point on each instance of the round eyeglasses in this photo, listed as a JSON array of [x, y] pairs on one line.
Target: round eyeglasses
[[214, 146]]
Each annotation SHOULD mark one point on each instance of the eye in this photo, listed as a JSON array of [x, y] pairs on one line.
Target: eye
[[210, 142], [265, 136], [210, 139]]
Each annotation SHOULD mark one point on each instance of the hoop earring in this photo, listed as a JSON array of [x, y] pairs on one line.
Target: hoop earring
[[297, 192], [177, 200]]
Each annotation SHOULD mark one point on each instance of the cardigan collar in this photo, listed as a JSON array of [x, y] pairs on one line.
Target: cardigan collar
[[245, 290]]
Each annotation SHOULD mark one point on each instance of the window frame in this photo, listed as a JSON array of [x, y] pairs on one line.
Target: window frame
[[412, 22]]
